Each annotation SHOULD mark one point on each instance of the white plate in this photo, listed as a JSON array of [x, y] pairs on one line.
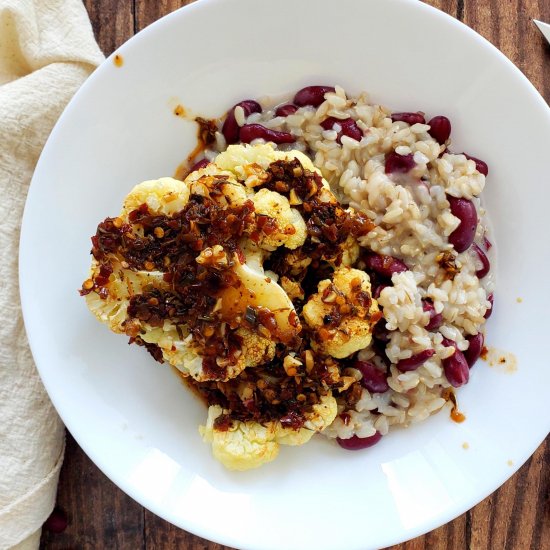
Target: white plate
[[133, 417]]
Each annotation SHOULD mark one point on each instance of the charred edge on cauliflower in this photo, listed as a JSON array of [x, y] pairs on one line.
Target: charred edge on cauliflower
[[269, 393], [154, 350]]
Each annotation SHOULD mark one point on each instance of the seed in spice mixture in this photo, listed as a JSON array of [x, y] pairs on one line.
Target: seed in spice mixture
[[447, 262]]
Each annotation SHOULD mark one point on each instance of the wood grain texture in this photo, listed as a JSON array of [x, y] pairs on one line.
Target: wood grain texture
[[112, 21], [99, 514], [148, 11], [515, 517]]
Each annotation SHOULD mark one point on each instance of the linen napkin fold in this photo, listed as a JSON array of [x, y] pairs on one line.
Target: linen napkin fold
[[47, 49]]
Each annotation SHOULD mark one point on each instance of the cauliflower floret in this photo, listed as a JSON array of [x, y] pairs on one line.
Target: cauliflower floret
[[290, 229], [255, 350], [163, 196], [122, 285], [228, 191], [297, 262], [248, 162], [257, 290], [247, 445], [209, 170], [350, 254], [342, 313], [177, 351], [292, 288], [109, 301]]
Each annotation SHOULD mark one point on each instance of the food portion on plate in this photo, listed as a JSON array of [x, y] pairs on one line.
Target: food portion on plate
[[324, 268]]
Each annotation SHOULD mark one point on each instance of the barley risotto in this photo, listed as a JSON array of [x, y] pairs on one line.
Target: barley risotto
[[324, 267]]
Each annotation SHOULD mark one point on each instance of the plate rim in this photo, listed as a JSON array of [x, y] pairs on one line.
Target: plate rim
[[95, 455]]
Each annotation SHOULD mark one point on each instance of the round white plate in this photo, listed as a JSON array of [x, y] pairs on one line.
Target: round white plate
[[136, 420]]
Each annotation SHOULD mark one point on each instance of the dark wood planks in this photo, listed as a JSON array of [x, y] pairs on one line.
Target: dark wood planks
[[99, 514], [112, 21], [516, 517], [508, 25], [160, 535], [148, 11]]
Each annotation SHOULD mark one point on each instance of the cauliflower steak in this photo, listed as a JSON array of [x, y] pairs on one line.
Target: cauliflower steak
[[241, 278]]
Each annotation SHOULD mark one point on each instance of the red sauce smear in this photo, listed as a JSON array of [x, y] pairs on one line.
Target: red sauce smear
[[455, 414]]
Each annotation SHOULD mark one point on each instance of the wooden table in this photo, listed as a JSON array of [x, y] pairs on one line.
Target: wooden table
[[516, 517]]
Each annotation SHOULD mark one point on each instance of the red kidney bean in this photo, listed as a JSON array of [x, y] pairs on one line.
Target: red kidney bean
[[463, 236], [57, 521], [249, 132], [329, 122], [355, 443], [399, 163], [198, 165], [455, 367], [380, 332], [487, 243], [285, 110], [412, 363], [384, 265], [377, 290], [489, 312], [448, 343], [230, 128], [409, 118], [474, 350], [349, 128], [312, 95], [481, 166], [436, 319], [373, 378], [486, 266], [440, 128]]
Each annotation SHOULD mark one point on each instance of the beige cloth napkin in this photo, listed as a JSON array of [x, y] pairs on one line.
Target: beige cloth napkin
[[47, 50]]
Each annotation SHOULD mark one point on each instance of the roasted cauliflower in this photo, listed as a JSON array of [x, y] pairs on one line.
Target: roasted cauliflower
[[342, 313], [180, 271], [247, 445], [136, 252], [283, 225]]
